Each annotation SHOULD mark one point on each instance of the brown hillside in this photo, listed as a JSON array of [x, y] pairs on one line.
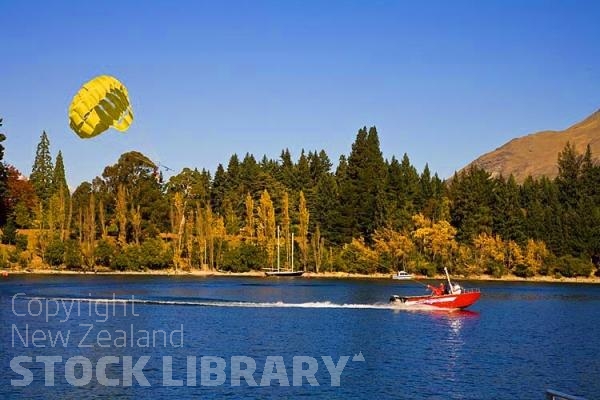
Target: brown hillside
[[536, 154]]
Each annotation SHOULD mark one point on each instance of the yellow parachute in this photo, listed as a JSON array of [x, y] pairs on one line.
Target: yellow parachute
[[100, 104]]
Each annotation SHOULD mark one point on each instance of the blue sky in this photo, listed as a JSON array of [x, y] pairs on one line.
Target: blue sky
[[444, 81]]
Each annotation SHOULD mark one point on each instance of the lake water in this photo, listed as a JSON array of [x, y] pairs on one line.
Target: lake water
[[517, 341]]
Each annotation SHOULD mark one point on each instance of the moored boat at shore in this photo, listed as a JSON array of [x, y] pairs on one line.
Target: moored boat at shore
[[280, 271], [402, 276]]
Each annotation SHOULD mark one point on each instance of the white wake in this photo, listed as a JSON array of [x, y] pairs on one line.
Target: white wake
[[240, 304]]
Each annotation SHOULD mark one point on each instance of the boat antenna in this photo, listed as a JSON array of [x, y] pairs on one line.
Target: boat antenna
[[450, 289]]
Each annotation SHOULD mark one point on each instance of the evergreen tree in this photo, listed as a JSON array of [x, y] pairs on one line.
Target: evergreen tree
[[327, 212], [219, 189], [426, 191], [508, 218], [569, 166], [402, 189], [362, 189], [233, 173], [250, 177], [409, 182], [42, 171], [319, 165], [303, 177], [471, 194], [285, 173]]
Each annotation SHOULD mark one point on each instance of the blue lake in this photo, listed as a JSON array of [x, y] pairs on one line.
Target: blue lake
[[517, 341]]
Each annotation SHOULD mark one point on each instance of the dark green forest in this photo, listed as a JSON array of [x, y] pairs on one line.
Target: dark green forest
[[366, 215]]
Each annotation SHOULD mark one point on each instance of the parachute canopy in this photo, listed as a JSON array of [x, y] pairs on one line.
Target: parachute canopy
[[100, 104]]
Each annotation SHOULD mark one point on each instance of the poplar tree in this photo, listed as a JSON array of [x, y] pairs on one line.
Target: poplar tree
[[267, 225], [302, 239], [3, 182], [249, 221], [210, 228], [121, 211], [318, 248], [59, 179], [285, 226], [60, 199]]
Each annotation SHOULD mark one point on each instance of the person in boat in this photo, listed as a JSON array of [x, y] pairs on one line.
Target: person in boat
[[456, 289], [436, 290], [446, 288]]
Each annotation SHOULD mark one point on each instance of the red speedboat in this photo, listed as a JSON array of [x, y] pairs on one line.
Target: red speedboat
[[450, 296]]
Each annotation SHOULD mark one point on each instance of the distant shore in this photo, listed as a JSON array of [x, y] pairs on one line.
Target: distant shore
[[307, 275]]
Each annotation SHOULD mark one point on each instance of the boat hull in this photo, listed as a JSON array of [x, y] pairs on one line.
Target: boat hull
[[284, 273], [402, 277], [447, 301]]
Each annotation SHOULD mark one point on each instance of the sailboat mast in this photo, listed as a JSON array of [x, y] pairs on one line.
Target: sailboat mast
[[292, 251], [277, 248]]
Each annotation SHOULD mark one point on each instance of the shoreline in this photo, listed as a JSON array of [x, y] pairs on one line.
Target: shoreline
[[307, 275]]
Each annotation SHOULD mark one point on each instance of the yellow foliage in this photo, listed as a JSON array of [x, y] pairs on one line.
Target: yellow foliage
[[466, 264], [363, 254], [249, 226], [514, 255], [266, 226], [535, 252], [489, 247], [395, 244], [218, 228], [436, 240], [302, 238]]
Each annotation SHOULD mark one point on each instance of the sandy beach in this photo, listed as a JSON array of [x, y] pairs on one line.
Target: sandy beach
[[307, 275]]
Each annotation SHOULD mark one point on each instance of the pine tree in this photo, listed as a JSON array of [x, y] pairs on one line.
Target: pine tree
[[42, 171], [219, 189], [362, 189], [426, 188], [233, 171], [471, 195], [60, 190], [249, 176], [402, 192], [327, 212], [303, 178], [569, 167], [508, 218]]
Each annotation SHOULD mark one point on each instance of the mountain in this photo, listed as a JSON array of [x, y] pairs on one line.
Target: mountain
[[536, 154]]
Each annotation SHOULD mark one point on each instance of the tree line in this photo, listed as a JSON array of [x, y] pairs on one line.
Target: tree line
[[366, 215]]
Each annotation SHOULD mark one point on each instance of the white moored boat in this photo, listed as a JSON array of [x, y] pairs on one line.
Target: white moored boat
[[402, 275]]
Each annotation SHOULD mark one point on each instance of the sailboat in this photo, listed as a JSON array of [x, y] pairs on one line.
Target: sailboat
[[279, 271]]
